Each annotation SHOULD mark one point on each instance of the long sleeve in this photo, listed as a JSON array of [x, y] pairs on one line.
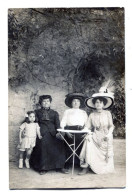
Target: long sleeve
[[111, 126], [38, 130], [57, 121], [64, 120], [85, 119], [89, 125], [89, 122]]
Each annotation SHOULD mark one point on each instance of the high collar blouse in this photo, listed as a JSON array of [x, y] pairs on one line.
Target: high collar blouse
[[73, 117], [100, 121], [45, 112]]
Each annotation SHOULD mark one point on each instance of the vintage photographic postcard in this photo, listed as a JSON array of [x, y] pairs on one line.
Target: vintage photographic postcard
[[53, 52]]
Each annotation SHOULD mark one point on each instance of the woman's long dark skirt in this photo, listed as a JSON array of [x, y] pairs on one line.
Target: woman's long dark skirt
[[49, 153]]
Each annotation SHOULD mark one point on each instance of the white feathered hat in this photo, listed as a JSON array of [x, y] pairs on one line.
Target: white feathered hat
[[105, 92]]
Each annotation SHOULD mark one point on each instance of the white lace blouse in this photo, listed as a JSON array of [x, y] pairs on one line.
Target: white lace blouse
[[73, 117], [101, 121]]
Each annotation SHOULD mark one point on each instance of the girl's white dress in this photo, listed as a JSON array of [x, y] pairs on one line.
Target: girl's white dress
[[30, 131], [97, 151]]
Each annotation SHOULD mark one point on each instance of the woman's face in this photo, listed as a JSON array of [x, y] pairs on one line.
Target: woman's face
[[46, 103], [75, 103], [99, 104]]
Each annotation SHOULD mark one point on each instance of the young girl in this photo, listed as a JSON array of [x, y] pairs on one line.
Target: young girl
[[27, 138]]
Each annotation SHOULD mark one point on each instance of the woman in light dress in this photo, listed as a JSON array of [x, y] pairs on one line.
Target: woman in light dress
[[74, 118], [97, 150]]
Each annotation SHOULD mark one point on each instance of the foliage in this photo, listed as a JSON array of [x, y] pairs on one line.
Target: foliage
[[118, 109], [89, 77], [73, 49]]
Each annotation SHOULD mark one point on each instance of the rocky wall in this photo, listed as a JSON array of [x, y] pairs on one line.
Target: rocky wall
[[57, 51]]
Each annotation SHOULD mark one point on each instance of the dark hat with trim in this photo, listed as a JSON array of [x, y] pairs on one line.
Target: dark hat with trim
[[71, 96], [42, 97]]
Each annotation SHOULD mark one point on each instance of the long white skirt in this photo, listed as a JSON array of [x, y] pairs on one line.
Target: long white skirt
[[99, 158]]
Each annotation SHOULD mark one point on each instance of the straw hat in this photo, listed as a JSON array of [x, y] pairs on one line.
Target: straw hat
[[71, 96], [105, 94]]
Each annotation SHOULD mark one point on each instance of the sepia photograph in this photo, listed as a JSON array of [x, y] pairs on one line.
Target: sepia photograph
[[66, 98]]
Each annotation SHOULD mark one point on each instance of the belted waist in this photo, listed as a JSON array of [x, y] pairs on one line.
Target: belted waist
[[74, 127]]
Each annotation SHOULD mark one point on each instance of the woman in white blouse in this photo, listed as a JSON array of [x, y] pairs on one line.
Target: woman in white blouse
[[75, 119]]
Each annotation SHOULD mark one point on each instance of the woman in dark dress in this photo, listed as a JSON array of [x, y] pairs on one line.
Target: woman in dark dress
[[49, 152]]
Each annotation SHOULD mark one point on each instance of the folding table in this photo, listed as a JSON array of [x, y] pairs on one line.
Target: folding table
[[74, 149]]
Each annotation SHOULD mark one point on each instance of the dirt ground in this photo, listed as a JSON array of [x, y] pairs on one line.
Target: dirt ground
[[29, 179]]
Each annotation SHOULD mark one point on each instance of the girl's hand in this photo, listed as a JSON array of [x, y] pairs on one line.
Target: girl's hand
[[23, 134]]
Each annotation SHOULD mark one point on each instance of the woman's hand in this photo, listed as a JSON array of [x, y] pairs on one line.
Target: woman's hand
[[83, 135], [58, 136], [107, 136], [40, 137], [62, 133], [69, 135], [89, 137], [106, 139]]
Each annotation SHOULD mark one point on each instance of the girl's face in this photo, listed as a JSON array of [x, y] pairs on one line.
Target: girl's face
[[31, 117], [46, 103], [75, 103], [99, 104]]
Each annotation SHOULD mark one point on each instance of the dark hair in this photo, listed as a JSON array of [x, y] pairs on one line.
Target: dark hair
[[27, 118], [101, 99], [43, 97]]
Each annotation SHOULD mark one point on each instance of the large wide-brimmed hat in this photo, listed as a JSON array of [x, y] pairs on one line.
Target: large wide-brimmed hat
[[42, 97], [104, 94], [71, 96]]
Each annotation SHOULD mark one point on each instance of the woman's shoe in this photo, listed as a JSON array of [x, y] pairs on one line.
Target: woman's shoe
[[85, 165], [42, 172], [83, 172], [65, 171], [20, 163]]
